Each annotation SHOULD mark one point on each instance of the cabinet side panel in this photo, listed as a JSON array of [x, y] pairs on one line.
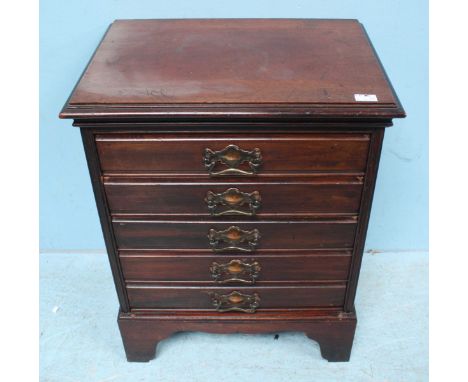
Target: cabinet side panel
[[364, 214], [103, 211]]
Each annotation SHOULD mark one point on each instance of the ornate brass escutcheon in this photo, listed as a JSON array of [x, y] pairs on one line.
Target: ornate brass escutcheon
[[234, 201], [236, 301], [234, 238], [235, 271], [232, 156]]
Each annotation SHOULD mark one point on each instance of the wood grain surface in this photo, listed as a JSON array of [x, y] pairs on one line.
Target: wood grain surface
[[147, 266], [285, 197], [232, 61], [298, 296], [170, 153], [188, 235]]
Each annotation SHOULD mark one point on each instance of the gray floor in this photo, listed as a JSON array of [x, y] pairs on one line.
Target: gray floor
[[80, 339]]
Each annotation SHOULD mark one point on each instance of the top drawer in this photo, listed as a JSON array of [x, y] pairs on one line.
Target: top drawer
[[232, 155]]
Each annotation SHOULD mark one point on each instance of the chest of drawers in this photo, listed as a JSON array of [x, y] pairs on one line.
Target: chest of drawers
[[233, 164]]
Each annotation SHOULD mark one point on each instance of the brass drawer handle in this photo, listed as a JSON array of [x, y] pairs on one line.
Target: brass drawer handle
[[234, 200], [235, 301], [232, 156], [235, 271], [234, 237]]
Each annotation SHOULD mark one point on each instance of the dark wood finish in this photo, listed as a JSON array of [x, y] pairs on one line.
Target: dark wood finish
[[284, 297], [201, 64], [152, 266], [334, 331], [366, 204], [308, 196], [141, 234], [175, 154], [167, 106], [221, 128], [106, 224]]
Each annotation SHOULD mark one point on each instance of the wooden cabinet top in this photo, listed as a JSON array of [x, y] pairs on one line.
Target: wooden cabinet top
[[236, 68]]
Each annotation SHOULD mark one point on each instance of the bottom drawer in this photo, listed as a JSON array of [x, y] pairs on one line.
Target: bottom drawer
[[158, 297]]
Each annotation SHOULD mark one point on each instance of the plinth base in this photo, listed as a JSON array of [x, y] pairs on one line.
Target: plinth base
[[333, 330]]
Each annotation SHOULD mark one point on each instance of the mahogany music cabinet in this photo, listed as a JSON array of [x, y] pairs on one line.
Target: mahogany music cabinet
[[233, 164]]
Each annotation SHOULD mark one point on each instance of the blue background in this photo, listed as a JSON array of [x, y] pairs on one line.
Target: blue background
[[71, 30]]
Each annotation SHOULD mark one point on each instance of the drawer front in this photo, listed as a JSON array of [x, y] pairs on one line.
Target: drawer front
[[208, 298], [313, 196], [231, 236], [203, 154], [233, 269]]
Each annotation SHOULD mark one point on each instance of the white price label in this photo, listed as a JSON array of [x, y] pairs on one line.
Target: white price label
[[365, 98]]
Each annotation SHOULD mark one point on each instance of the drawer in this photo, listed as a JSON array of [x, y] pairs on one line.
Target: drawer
[[234, 269], [162, 297], [233, 236], [313, 195], [232, 154]]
